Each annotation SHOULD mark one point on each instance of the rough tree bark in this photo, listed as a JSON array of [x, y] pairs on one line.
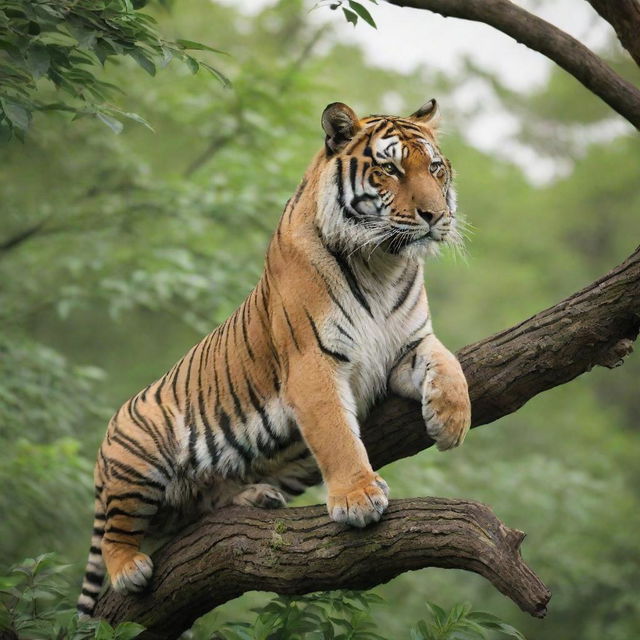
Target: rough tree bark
[[298, 550], [624, 17], [563, 49]]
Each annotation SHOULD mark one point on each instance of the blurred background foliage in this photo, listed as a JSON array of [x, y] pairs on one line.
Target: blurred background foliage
[[119, 252]]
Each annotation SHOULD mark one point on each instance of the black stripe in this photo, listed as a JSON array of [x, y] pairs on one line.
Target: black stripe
[[389, 132], [192, 440], [125, 542], [284, 213], [90, 594], [264, 417], [266, 440], [168, 423], [333, 296], [138, 478], [225, 424], [350, 277], [236, 400], [245, 307], [116, 511], [293, 336], [353, 171], [414, 304], [421, 327], [208, 431], [150, 429], [409, 348], [134, 495], [299, 192], [83, 608], [97, 531], [343, 332], [124, 532], [95, 550], [135, 449], [411, 127], [406, 290], [339, 183], [174, 382], [329, 352], [94, 578]]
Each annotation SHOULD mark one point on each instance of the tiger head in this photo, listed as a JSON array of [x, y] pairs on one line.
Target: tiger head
[[385, 184]]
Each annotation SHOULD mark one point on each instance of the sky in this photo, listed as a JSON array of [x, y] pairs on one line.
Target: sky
[[405, 38]]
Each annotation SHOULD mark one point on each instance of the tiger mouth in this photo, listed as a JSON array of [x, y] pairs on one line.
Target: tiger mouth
[[403, 240]]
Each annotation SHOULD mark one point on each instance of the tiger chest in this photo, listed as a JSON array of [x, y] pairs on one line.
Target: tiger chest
[[373, 346]]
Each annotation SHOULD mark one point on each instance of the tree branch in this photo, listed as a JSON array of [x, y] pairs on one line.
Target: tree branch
[[624, 17], [296, 551], [555, 44], [595, 326]]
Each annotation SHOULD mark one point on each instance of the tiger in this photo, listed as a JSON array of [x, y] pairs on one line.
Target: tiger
[[271, 401]]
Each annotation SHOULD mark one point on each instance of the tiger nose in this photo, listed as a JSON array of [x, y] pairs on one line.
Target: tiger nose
[[430, 217]]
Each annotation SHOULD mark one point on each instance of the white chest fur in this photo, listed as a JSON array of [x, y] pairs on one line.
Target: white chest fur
[[386, 312]]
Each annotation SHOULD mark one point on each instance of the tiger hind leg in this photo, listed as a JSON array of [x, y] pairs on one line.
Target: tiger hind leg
[[260, 495], [128, 517]]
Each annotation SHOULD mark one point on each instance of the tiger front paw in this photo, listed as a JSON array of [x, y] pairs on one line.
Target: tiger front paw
[[134, 574], [446, 407], [361, 506]]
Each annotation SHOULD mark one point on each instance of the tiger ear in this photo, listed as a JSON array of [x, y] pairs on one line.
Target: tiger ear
[[428, 113], [340, 123]]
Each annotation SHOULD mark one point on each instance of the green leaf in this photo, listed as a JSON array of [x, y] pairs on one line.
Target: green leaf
[[489, 621], [193, 64], [143, 61], [38, 60], [115, 125], [128, 630], [363, 12], [17, 115], [350, 16], [190, 44], [226, 83], [104, 631], [439, 614], [136, 118]]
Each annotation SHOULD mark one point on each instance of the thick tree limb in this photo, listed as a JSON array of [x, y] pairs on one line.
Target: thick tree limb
[[299, 550], [541, 36], [595, 326], [624, 17]]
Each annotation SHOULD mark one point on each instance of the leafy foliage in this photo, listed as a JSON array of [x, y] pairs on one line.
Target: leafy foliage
[[461, 623], [35, 605], [353, 11], [44, 405], [350, 615], [65, 41]]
